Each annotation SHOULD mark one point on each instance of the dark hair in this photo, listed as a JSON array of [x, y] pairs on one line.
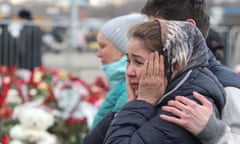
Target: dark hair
[[25, 14], [179, 10]]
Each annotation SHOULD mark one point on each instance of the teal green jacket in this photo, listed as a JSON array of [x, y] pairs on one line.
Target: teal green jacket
[[117, 95]]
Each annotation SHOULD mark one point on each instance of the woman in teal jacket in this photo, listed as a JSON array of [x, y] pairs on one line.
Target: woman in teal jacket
[[112, 40]]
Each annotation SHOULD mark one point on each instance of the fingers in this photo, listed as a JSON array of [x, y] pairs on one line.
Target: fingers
[[171, 119], [186, 101], [156, 64], [184, 104], [177, 112], [150, 66], [192, 103], [145, 71], [202, 99], [178, 104], [188, 113], [151, 86], [161, 67]]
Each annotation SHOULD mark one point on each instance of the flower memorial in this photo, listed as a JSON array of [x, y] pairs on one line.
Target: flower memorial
[[46, 106]]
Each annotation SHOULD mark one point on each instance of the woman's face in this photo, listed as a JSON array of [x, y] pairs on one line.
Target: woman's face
[[107, 51], [136, 55]]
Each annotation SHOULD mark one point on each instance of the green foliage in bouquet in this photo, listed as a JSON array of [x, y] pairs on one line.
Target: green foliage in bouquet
[[5, 126], [70, 131]]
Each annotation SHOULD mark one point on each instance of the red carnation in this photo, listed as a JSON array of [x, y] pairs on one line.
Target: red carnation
[[5, 139]]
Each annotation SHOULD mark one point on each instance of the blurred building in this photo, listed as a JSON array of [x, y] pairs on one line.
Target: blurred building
[[74, 18]]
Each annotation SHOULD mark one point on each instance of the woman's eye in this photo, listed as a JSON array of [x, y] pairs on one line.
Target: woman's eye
[[102, 46], [136, 62], [139, 62]]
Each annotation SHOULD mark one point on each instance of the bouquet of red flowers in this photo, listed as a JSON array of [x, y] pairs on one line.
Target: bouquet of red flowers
[[70, 100]]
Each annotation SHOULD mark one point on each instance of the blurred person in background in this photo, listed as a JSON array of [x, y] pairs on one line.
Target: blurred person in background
[[199, 118], [215, 43], [30, 42], [8, 46], [112, 40], [8, 43]]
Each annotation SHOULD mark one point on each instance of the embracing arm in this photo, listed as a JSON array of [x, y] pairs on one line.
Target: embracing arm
[[226, 130], [201, 121]]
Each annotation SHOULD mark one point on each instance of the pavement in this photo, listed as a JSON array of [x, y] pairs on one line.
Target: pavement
[[83, 64]]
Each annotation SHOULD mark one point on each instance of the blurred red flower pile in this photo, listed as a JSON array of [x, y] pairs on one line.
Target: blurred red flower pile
[[46, 106]]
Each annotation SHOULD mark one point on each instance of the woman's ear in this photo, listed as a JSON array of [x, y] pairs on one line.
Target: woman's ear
[[192, 21]]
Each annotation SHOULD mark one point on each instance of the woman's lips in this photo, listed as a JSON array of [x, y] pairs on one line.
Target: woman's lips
[[134, 86]]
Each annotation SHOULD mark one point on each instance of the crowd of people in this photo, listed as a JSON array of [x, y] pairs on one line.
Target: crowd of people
[[178, 92]]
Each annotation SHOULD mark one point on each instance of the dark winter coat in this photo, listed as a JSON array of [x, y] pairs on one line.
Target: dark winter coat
[[225, 75], [30, 54], [139, 122]]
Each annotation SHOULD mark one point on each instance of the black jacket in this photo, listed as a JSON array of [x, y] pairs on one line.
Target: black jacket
[[29, 49], [8, 47], [225, 75], [97, 135]]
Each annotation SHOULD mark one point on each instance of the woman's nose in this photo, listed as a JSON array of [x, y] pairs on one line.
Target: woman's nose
[[130, 71], [99, 53]]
